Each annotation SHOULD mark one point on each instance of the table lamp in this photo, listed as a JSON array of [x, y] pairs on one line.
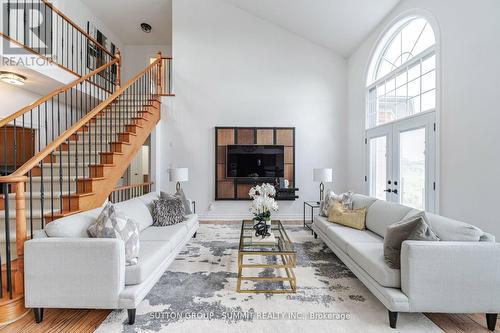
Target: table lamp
[[178, 175], [322, 175]]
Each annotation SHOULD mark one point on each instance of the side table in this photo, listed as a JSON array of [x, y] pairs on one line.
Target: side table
[[312, 206]]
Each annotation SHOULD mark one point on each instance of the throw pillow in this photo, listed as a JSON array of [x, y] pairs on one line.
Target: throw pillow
[[168, 210], [110, 224], [353, 218], [185, 202], [412, 228], [327, 201]]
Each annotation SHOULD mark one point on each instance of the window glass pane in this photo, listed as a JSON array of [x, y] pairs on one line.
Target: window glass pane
[[429, 100], [428, 64], [429, 81], [390, 85], [371, 120], [393, 52], [425, 41], [414, 88], [411, 34], [414, 72], [414, 105], [384, 68], [378, 167], [401, 79], [412, 168], [381, 89]]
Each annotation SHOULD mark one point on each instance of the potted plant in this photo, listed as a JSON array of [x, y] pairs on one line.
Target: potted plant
[[262, 205]]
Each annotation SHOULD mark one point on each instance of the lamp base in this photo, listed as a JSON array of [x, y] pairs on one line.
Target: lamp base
[[178, 186], [321, 191]]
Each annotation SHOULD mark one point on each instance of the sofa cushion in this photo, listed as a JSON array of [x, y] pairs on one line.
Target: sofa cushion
[[136, 209], [382, 214], [73, 226], [362, 201], [321, 223], [151, 254], [370, 257], [451, 230], [343, 236], [148, 200]]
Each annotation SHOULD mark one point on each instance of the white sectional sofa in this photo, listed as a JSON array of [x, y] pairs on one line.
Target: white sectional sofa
[[459, 274], [66, 269]]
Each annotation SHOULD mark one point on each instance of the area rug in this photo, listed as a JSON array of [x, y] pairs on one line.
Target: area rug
[[198, 294]]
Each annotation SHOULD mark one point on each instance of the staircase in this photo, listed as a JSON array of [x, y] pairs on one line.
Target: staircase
[[66, 152]]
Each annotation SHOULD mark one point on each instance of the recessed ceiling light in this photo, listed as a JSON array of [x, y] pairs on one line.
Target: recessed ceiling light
[[12, 78], [146, 27]]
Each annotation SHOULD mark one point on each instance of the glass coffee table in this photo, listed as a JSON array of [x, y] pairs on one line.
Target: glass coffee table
[[279, 256]]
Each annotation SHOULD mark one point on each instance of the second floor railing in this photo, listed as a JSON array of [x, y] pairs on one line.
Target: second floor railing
[[126, 192], [36, 27]]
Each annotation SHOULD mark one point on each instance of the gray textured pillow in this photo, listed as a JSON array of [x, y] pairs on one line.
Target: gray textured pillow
[[185, 202], [110, 224], [168, 210], [412, 228]]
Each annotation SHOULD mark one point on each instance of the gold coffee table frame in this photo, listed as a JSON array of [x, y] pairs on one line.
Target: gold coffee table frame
[[283, 250]]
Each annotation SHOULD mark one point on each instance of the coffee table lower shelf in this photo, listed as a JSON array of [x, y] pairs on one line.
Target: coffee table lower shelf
[[288, 264]]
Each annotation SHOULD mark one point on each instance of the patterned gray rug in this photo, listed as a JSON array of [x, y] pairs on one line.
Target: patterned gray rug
[[198, 294]]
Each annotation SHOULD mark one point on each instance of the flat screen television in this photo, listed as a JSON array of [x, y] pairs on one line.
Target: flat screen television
[[255, 161]]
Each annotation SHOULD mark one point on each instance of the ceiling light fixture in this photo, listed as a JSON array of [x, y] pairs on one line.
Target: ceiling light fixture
[[12, 78], [146, 27]]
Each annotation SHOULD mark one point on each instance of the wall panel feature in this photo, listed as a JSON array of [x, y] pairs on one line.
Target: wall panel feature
[[237, 188], [245, 136], [265, 136]]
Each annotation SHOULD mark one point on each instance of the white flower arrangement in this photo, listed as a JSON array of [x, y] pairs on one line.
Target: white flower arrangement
[[263, 201]]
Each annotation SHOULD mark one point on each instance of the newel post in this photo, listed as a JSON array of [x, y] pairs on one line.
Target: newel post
[[118, 69], [20, 235], [160, 74]]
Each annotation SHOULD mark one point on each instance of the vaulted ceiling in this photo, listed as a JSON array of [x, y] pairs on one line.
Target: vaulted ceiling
[[340, 25]]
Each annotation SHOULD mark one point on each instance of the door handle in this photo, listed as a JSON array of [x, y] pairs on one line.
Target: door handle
[[389, 190], [395, 191]]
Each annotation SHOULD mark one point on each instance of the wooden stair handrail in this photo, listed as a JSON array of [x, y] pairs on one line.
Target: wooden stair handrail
[[57, 91], [57, 11], [33, 162]]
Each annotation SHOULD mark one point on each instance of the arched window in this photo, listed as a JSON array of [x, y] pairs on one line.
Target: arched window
[[402, 76]]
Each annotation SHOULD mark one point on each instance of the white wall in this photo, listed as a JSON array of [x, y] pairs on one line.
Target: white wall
[[136, 57], [234, 69], [469, 118], [79, 13]]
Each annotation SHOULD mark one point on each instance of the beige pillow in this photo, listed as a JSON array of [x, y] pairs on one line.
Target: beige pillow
[[354, 218]]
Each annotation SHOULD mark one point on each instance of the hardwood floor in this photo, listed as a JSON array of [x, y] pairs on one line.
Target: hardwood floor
[[83, 321]]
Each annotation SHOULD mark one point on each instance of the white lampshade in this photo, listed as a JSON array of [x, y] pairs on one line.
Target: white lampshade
[[178, 174], [322, 175]]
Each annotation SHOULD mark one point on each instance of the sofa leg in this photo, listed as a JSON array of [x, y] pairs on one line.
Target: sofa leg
[[38, 314], [491, 320], [194, 236], [315, 235], [131, 316], [393, 319]]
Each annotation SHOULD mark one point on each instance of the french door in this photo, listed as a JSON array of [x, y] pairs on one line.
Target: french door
[[401, 161]]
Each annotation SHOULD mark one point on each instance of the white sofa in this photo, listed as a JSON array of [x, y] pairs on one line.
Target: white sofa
[[66, 269], [459, 274]]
